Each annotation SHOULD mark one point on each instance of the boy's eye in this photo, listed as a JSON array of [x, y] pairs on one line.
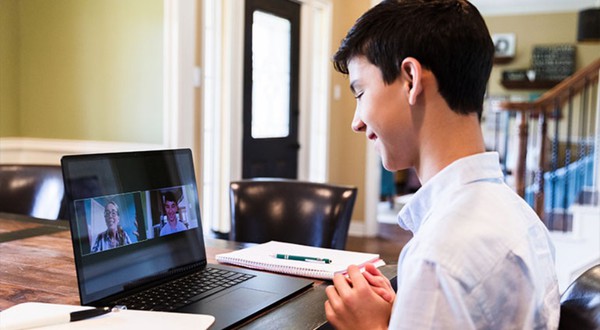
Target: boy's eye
[[358, 95]]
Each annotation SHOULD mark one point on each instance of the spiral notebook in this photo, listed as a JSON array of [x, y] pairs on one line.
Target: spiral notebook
[[264, 257]]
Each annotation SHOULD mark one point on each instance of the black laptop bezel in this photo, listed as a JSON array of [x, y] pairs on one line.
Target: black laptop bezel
[[192, 238]]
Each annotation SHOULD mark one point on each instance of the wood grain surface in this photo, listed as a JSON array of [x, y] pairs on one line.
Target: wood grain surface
[[36, 264]]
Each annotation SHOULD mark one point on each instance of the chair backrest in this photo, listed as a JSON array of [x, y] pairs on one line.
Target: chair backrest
[[308, 213], [580, 303], [32, 190]]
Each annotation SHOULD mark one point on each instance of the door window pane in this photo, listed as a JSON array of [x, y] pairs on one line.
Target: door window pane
[[270, 76]]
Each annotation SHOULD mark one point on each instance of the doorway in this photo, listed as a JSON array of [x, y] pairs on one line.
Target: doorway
[[271, 81], [222, 100]]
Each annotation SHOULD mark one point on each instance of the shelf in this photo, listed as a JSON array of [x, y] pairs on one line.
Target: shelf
[[502, 59], [526, 84]]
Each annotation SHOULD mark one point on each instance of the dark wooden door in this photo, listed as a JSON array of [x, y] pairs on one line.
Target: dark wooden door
[[271, 64]]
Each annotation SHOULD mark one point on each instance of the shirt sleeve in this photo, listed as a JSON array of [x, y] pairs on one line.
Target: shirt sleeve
[[98, 243], [126, 240], [429, 298]]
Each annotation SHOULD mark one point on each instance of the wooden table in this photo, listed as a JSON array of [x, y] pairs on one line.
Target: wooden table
[[36, 264]]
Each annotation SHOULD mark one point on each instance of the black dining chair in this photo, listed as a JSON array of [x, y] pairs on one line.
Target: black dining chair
[[580, 303], [32, 190], [308, 213]]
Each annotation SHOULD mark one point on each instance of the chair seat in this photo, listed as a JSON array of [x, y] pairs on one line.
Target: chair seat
[[580, 303], [293, 211]]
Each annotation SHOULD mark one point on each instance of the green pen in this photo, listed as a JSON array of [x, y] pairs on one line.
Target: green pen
[[301, 258]]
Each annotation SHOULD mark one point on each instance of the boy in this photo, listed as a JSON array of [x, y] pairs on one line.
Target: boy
[[480, 258]]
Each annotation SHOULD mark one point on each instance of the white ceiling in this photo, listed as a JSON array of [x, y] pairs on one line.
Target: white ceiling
[[515, 7]]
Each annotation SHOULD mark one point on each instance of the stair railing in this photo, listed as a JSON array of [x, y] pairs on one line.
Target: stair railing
[[571, 107]]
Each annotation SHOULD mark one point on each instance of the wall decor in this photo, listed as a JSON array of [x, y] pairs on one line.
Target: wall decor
[[505, 45]]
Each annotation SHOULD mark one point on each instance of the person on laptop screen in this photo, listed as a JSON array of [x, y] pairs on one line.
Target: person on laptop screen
[[114, 235], [479, 258], [171, 207]]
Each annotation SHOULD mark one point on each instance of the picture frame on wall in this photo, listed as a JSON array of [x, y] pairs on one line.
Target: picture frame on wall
[[504, 45]]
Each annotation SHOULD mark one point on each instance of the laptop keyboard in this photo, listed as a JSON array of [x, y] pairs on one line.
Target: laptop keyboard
[[173, 295]]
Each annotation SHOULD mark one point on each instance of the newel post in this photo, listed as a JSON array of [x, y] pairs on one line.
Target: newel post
[[523, 131], [538, 203]]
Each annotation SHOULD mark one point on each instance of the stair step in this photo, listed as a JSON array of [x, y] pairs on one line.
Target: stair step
[[558, 220]]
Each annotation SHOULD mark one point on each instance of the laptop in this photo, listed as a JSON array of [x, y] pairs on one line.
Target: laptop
[[137, 238]]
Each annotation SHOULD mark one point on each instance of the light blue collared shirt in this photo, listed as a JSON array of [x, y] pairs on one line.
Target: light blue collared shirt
[[480, 257]]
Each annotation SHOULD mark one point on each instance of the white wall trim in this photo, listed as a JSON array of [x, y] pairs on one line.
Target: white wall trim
[[17, 150], [315, 80], [179, 109], [233, 84], [372, 189], [223, 37], [372, 183], [357, 229]]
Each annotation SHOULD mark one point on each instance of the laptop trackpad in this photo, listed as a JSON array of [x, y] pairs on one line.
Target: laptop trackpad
[[233, 307], [241, 299]]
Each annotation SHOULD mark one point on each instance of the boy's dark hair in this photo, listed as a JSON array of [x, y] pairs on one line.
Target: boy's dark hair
[[448, 37], [169, 196]]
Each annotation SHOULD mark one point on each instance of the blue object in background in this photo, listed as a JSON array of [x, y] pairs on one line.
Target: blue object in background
[[388, 183], [563, 186]]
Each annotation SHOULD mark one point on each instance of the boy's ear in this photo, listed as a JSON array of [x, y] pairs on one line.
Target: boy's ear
[[411, 72]]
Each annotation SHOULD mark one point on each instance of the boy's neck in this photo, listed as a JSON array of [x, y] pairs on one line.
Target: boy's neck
[[446, 137]]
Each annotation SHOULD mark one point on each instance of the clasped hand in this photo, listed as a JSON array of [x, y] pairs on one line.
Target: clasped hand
[[361, 300]]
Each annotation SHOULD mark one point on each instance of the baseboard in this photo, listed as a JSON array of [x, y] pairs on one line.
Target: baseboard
[[23, 150], [357, 229]]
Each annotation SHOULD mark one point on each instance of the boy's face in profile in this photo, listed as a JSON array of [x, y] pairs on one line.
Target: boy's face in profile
[[383, 113]]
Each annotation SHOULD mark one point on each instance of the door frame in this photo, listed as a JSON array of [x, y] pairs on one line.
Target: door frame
[[223, 162], [180, 74], [271, 150]]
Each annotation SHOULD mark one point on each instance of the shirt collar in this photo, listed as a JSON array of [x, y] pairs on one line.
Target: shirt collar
[[478, 167]]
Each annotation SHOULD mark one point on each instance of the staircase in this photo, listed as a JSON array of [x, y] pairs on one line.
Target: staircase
[[557, 166]]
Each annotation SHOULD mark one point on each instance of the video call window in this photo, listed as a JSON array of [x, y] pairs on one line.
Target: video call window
[[172, 210], [117, 221], [112, 221]]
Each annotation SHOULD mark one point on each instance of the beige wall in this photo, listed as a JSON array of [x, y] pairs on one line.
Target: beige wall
[[82, 69], [533, 30], [9, 64], [347, 159]]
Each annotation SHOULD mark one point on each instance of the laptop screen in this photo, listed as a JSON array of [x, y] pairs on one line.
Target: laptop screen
[[134, 216]]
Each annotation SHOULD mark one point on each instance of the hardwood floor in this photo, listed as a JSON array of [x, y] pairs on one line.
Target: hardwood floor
[[388, 243]]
